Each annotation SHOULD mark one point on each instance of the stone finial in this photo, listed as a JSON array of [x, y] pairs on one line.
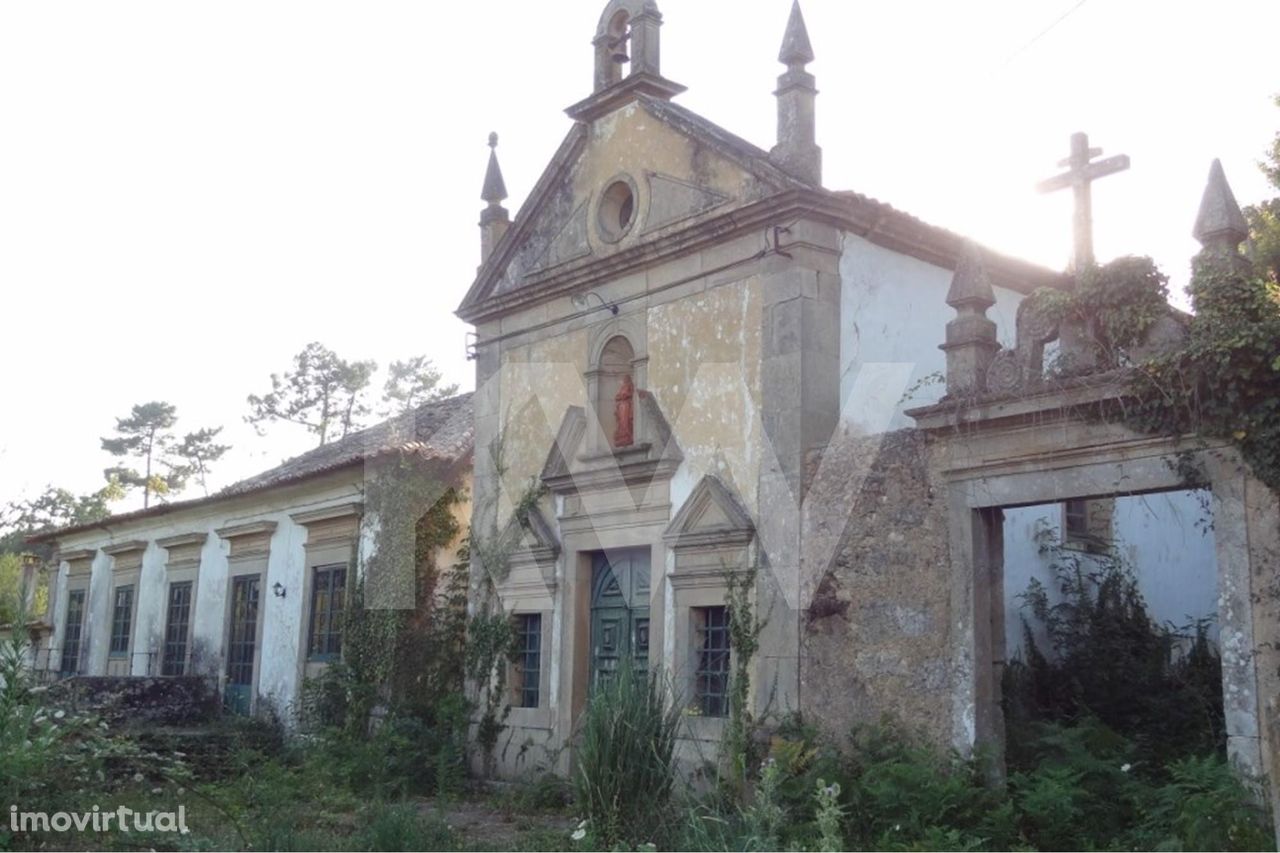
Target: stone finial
[[970, 285], [495, 190], [494, 219], [797, 151], [1219, 222], [971, 337], [796, 49]]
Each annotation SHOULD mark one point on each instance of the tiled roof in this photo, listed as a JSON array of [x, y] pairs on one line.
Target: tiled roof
[[442, 431]]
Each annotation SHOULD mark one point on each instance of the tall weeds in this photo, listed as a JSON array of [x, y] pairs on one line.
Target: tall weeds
[[626, 773]]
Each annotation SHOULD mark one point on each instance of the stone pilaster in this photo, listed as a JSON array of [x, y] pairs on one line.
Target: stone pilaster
[[800, 403]]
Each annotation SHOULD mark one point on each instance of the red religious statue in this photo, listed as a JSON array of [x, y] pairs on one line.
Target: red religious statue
[[624, 414]]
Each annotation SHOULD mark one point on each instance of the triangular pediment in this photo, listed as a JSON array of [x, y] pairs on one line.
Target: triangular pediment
[[572, 467], [713, 514], [681, 170], [531, 536]]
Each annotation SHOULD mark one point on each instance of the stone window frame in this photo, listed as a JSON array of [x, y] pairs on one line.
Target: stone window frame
[[700, 631], [332, 586], [333, 538], [1080, 527], [529, 588], [250, 551], [712, 538], [126, 571], [519, 689], [182, 565], [122, 620], [79, 579]]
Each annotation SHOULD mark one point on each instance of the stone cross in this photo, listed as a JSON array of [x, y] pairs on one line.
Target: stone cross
[[1079, 176]]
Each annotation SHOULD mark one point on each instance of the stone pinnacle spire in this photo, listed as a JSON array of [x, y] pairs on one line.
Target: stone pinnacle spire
[[494, 219], [797, 151], [1219, 220], [796, 49], [495, 191], [970, 285]]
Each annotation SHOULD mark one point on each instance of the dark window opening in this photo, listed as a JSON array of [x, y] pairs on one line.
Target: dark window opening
[[175, 632], [711, 660], [71, 633], [122, 621], [528, 659], [328, 593]]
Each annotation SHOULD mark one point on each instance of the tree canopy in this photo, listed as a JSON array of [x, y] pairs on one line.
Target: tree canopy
[[324, 393]]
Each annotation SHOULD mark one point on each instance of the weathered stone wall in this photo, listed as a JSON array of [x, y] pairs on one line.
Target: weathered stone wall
[[127, 700], [874, 636]]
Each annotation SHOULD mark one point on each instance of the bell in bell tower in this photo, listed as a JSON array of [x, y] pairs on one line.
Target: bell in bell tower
[[627, 42]]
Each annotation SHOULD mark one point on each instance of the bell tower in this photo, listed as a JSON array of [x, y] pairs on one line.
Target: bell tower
[[628, 59]]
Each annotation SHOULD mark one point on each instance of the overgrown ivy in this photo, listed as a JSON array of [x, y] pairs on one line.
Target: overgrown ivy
[[1221, 383], [1115, 305], [1224, 383], [745, 628], [404, 626]]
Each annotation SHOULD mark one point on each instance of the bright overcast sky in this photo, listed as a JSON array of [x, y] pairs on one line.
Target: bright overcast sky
[[192, 191]]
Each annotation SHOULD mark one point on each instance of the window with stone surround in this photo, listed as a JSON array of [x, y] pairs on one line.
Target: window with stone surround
[[328, 598], [177, 624], [122, 621], [1087, 523], [71, 632], [711, 660], [527, 672]]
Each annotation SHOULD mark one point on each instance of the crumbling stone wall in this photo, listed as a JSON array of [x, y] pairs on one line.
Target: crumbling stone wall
[[874, 636], [138, 701]]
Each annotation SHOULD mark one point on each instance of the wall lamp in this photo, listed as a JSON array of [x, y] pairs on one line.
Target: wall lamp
[[580, 302], [278, 589]]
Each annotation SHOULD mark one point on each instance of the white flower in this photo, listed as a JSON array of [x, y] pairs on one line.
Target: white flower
[[579, 834], [1126, 767], [137, 777]]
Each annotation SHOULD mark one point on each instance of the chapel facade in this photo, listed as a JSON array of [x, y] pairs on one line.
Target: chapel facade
[[665, 344], [696, 365]]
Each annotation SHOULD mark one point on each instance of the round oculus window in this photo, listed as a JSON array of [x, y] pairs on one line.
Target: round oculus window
[[617, 211]]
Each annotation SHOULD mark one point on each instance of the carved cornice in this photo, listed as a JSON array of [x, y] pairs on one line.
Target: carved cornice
[[329, 513], [75, 556], [249, 529], [183, 540], [117, 549], [876, 222]]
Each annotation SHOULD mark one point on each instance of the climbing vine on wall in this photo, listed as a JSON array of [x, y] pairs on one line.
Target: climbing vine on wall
[[1224, 383], [745, 627], [1115, 304], [403, 630]]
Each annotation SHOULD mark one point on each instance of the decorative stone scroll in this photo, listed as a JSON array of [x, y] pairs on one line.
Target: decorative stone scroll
[[1023, 366]]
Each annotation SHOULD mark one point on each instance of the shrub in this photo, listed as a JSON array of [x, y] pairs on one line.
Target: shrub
[[626, 770]]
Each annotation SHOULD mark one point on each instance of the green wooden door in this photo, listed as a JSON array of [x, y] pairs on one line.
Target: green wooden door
[[619, 612]]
